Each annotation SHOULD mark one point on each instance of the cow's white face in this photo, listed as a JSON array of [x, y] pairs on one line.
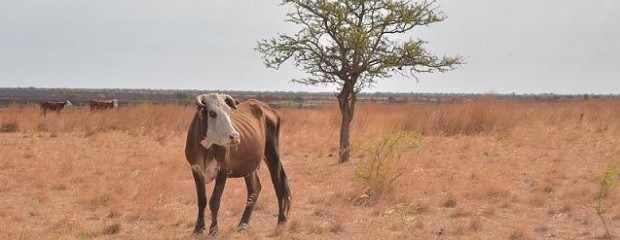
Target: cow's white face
[[215, 110], [69, 104]]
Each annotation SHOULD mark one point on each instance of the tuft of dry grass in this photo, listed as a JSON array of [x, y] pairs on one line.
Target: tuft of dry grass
[[111, 229], [484, 166], [9, 126], [521, 233], [136, 119]]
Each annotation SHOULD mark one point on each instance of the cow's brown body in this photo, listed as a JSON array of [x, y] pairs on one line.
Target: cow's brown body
[[102, 104], [53, 106], [258, 126]]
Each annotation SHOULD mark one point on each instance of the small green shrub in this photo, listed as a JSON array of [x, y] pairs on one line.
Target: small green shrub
[[146, 106], [380, 162], [609, 180]]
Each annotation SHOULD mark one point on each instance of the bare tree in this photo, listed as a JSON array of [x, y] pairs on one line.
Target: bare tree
[[353, 44]]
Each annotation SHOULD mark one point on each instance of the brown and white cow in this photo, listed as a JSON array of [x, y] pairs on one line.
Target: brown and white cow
[[53, 106], [225, 143], [102, 104]]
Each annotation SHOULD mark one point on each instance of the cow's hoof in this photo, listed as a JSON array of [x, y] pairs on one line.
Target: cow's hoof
[[243, 227], [198, 231], [213, 231]]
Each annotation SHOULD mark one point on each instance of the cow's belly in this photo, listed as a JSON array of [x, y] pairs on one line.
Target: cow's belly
[[246, 157], [243, 161]]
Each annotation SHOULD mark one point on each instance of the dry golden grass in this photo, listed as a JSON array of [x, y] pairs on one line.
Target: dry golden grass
[[486, 171]]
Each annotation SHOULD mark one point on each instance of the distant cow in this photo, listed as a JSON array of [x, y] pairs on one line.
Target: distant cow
[[54, 106], [102, 105]]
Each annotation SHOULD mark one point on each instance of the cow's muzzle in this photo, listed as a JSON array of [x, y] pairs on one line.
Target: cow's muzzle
[[234, 139]]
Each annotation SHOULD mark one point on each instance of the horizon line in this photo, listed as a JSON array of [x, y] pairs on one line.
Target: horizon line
[[309, 92]]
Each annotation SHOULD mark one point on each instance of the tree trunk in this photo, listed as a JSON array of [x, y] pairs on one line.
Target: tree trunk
[[346, 100]]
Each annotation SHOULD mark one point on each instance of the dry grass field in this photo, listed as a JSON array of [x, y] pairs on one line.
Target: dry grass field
[[483, 170]]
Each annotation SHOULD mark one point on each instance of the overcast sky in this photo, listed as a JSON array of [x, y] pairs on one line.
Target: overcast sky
[[521, 46]]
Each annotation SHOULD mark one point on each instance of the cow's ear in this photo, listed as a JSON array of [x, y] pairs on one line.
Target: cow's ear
[[231, 102], [201, 112]]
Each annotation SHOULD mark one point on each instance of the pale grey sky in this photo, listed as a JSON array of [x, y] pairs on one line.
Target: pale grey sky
[[522, 46]]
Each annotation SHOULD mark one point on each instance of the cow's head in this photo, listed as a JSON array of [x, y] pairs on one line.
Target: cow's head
[[214, 110], [68, 103]]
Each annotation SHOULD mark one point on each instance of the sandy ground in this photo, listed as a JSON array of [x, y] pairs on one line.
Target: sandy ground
[[533, 182]]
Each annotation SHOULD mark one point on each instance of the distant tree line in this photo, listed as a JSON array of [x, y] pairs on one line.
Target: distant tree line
[[80, 97]]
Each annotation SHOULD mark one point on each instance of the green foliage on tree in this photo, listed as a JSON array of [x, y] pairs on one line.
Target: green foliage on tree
[[355, 43]]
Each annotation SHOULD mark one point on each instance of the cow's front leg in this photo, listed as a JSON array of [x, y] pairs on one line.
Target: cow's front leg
[[202, 199], [214, 202]]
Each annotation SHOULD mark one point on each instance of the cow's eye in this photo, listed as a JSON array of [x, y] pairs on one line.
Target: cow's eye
[[212, 114]]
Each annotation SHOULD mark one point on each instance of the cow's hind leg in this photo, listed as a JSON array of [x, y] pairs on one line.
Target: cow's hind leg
[[202, 199], [253, 185], [278, 177]]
